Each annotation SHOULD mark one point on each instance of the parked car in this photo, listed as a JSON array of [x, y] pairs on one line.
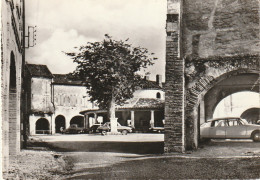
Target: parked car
[[156, 129], [229, 128], [73, 129], [93, 128], [107, 128]]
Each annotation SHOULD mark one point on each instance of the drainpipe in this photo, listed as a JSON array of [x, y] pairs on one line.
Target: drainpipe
[[23, 108]]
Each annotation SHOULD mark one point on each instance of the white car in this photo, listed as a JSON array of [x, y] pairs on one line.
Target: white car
[[229, 128]]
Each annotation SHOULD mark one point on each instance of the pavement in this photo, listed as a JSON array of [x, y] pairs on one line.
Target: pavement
[[138, 156], [144, 144]]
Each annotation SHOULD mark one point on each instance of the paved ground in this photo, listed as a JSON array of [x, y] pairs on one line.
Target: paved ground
[[143, 144], [138, 156]]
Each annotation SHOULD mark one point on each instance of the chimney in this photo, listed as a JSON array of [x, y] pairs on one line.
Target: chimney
[[159, 80], [146, 77]]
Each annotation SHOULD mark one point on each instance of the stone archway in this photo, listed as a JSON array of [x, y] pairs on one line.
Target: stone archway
[[42, 126], [228, 86], [194, 101], [184, 100], [59, 122]]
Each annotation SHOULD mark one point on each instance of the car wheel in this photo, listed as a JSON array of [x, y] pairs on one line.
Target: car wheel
[[104, 133], [256, 136], [124, 132]]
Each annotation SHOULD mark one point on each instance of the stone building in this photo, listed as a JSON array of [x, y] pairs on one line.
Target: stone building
[[70, 97], [39, 98], [212, 51], [12, 51], [53, 100], [144, 110], [58, 100]]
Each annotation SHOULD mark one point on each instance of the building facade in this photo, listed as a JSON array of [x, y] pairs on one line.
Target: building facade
[[143, 111], [12, 51], [70, 97], [54, 100], [212, 51]]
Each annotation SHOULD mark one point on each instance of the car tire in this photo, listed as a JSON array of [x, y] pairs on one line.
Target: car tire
[[256, 136], [104, 133], [124, 132]]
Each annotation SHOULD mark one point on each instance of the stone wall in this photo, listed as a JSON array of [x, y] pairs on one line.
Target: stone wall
[[220, 27], [11, 49], [207, 41], [174, 104], [69, 100], [41, 95]]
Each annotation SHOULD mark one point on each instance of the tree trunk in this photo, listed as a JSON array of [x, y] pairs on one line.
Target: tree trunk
[[112, 115]]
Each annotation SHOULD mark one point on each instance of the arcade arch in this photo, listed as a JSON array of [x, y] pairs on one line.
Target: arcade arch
[[42, 126], [60, 121], [79, 120]]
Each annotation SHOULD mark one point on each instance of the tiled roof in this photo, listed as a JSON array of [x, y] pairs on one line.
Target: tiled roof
[[65, 79], [38, 70], [134, 103], [142, 103], [147, 84]]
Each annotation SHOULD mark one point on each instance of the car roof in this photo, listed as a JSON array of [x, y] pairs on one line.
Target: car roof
[[222, 118]]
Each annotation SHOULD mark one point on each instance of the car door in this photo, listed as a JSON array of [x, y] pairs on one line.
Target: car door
[[218, 129], [235, 129]]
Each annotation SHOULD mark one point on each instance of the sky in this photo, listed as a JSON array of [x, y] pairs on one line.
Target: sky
[[65, 24], [240, 101]]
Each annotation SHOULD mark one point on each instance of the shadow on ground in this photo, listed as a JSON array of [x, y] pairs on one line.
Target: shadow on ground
[[100, 146], [173, 168]]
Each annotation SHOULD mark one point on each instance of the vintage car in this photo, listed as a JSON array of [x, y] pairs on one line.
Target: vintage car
[[156, 129], [93, 128], [73, 129], [106, 128], [229, 128]]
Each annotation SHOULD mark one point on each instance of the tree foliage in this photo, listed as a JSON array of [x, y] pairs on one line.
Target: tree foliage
[[109, 69]]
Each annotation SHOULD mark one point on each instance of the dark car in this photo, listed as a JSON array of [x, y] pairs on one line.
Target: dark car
[[107, 128], [73, 129], [93, 128]]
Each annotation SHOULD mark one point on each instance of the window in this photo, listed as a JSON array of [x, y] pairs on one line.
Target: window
[[158, 95], [233, 122]]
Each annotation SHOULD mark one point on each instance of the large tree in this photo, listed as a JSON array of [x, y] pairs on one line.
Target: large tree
[[110, 71]]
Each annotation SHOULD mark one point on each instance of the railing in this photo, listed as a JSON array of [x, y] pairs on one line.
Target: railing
[[43, 131]]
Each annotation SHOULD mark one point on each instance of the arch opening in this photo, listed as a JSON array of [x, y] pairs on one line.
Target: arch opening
[[236, 104], [42, 126], [240, 80], [12, 107], [247, 82], [79, 120], [158, 95], [59, 123], [252, 115]]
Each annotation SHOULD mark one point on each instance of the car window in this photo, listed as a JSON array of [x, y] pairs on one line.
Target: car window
[[243, 121], [221, 123], [234, 122], [207, 124]]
